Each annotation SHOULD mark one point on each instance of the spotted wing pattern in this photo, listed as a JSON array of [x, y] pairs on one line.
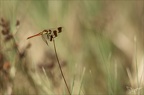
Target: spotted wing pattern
[[48, 34], [53, 33]]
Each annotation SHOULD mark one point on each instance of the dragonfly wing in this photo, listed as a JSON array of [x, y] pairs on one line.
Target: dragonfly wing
[[44, 38], [59, 29]]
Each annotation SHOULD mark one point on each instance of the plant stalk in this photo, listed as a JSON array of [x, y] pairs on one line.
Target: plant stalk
[[61, 68]]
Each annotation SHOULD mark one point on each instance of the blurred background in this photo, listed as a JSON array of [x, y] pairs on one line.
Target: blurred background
[[100, 48]]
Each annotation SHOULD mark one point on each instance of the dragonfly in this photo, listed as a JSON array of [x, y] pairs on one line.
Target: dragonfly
[[49, 34]]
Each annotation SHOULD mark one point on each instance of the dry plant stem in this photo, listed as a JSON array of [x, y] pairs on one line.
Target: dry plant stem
[[61, 68]]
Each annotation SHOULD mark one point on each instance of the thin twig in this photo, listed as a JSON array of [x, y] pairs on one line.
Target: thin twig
[[60, 67]]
